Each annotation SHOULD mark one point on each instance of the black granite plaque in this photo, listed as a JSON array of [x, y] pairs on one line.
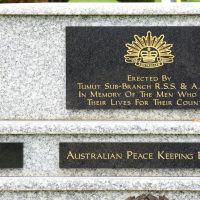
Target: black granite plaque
[[129, 155], [132, 67], [11, 155]]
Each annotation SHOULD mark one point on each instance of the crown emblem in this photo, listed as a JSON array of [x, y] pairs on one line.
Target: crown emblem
[[149, 51]]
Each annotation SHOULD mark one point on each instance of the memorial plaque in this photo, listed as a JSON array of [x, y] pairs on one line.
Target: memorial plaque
[[132, 67], [129, 155], [11, 155]]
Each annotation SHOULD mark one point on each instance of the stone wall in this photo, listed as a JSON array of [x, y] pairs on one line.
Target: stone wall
[[33, 111]]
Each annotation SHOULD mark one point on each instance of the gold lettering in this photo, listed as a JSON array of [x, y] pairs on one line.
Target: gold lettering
[[132, 78], [139, 156], [70, 155], [93, 156], [162, 155], [82, 86]]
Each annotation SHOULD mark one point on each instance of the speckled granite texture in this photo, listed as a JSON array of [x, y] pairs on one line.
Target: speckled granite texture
[[98, 188], [102, 195], [32, 107], [99, 184], [41, 155], [100, 9], [32, 61], [100, 127]]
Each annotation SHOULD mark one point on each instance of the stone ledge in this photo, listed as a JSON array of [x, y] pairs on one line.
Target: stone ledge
[[100, 9], [100, 127], [99, 184]]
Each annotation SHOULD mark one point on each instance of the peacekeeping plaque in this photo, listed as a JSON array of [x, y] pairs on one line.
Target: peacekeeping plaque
[[11, 155], [132, 67], [129, 155]]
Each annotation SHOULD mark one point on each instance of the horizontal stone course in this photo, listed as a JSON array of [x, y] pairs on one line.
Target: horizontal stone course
[[33, 48], [100, 127], [99, 9], [99, 184], [41, 155]]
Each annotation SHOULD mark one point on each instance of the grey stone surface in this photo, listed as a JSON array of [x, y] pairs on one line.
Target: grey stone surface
[[32, 67], [99, 184], [100, 9], [41, 155], [102, 195], [100, 127], [32, 107], [95, 188]]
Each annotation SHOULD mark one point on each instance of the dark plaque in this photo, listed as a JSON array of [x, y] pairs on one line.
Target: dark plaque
[[129, 155], [11, 155], [132, 67]]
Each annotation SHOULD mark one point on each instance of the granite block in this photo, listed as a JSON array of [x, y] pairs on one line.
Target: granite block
[[41, 155], [98, 188], [109, 9], [97, 195], [56, 127], [32, 59], [183, 184]]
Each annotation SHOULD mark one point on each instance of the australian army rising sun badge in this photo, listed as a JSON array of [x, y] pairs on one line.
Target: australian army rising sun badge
[[149, 51]]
